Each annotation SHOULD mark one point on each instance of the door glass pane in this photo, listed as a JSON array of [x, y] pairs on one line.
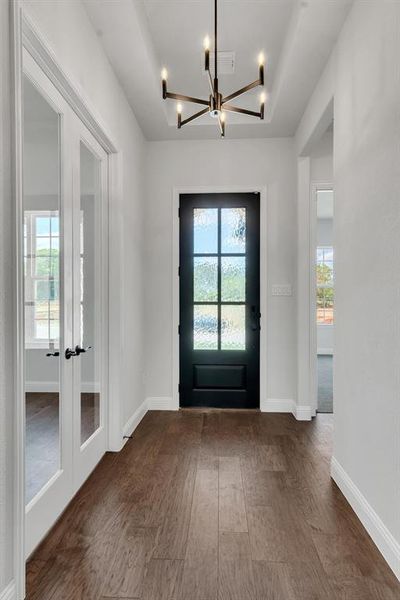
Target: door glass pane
[[233, 327], [41, 173], [205, 327], [233, 230], [205, 230], [205, 279], [233, 278], [90, 293]]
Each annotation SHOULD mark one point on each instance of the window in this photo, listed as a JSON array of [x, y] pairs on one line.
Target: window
[[219, 278], [325, 279], [42, 278]]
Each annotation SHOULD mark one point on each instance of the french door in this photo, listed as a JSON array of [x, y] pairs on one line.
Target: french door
[[220, 300], [65, 318]]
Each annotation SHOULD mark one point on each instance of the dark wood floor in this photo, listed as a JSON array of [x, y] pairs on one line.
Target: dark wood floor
[[213, 506]]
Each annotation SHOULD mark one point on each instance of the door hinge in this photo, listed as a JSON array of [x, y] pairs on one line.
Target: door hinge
[[179, 271], [179, 212], [179, 388], [179, 330]]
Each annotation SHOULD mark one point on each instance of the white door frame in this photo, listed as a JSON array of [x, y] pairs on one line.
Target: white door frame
[[315, 186], [24, 34], [176, 192]]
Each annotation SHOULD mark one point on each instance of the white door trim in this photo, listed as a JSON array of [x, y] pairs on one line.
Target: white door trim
[[176, 192], [18, 291]]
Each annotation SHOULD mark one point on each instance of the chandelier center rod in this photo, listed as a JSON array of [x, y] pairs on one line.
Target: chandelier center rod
[[215, 44]]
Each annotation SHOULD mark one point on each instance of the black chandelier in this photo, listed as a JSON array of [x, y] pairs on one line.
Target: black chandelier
[[217, 104]]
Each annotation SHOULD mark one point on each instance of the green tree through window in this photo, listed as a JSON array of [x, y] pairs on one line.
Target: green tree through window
[[325, 279]]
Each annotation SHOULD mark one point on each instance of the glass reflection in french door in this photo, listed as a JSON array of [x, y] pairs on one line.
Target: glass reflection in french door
[[42, 269], [89, 259]]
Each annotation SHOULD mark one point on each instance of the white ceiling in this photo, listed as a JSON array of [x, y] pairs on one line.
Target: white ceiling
[[142, 36]]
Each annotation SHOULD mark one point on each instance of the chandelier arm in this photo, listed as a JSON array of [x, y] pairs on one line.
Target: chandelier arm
[[242, 111], [183, 98], [195, 116], [243, 90]]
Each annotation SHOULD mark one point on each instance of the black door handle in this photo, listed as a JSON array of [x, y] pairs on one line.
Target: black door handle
[[53, 354], [255, 317], [79, 350], [69, 352]]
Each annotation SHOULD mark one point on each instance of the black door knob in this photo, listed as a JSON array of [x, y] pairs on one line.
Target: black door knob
[[69, 352], [255, 318], [53, 354], [79, 350]]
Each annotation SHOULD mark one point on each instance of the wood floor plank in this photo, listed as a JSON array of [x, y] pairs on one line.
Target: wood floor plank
[[271, 457], [132, 555], [236, 578], [200, 572], [232, 510], [161, 579], [173, 534], [298, 581], [278, 534]]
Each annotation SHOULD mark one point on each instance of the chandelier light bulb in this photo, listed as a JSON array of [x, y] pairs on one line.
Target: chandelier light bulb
[[206, 43], [263, 97], [261, 59], [179, 108], [164, 74], [223, 117]]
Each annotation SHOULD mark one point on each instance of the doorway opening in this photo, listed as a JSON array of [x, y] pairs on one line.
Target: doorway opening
[[219, 330], [324, 267]]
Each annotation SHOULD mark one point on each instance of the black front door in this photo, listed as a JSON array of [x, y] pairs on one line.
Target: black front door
[[220, 300]]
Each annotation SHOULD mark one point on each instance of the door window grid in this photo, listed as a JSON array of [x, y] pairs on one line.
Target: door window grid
[[42, 288], [325, 283], [219, 324], [41, 263]]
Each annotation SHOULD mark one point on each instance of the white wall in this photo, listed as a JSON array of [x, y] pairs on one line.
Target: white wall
[[67, 30], [364, 79], [321, 159], [221, 163], [367, 242], [6, 313]]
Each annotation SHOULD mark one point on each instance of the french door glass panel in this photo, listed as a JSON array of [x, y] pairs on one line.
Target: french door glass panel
[[42, 268], [90, 292]]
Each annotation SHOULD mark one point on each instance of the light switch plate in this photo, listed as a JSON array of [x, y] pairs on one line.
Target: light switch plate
[[281, 289]]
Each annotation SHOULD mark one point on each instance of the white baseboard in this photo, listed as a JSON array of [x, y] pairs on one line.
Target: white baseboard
[[384, 540], [135, 419], [53, 387], [161, 403], [301, 413], [9, 593], [325, 351], [277, 406]]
